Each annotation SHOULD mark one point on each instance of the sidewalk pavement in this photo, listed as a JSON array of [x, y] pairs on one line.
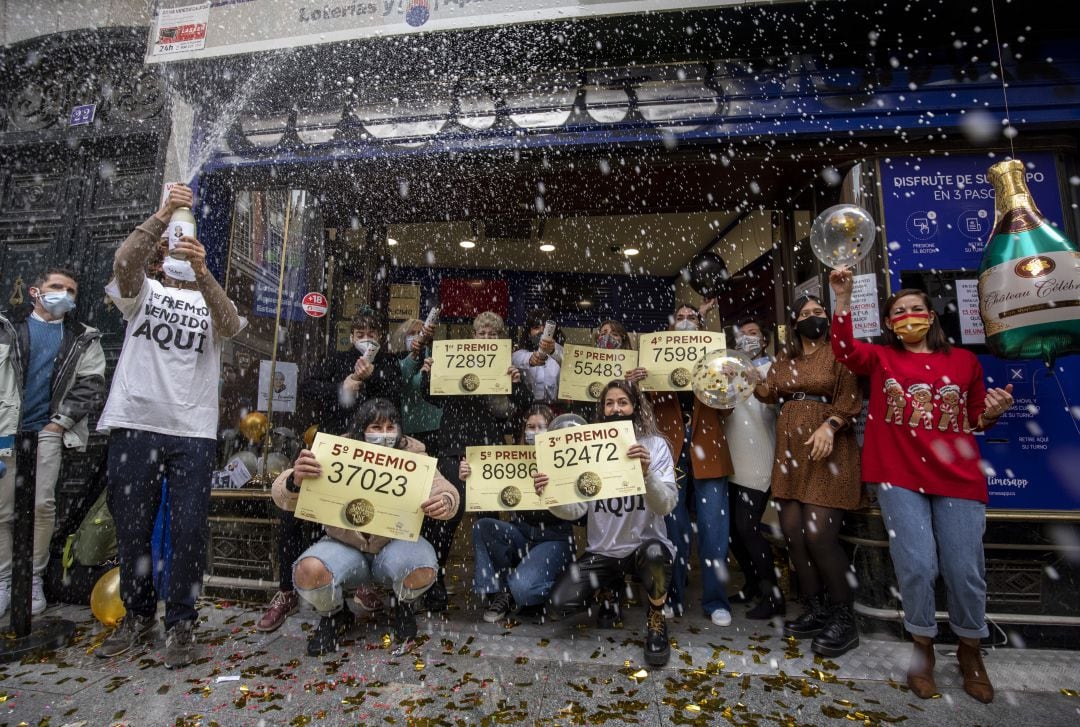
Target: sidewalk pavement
[[464, 671]]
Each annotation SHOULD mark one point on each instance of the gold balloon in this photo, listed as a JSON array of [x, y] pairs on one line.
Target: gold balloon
[[254, 426], [309, 434], [105, 599]]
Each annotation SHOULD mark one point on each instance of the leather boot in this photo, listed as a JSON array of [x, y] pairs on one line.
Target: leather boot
[[920, 673], [771, 604], [812, 620], [657, 644], [976, 681], [840, 634]]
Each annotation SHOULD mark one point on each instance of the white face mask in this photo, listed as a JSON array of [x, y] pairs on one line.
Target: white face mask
[[179, 269], [685, 325], [409, 342], [367, 348], [530, 437], [382, 439]]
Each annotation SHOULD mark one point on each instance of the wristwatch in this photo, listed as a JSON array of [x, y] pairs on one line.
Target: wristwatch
[[836, 426]]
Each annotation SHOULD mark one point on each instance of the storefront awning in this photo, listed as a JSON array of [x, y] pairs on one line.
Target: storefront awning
[[183, 30]]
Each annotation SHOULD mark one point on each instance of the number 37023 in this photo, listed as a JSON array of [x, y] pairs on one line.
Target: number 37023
[[385, 483]]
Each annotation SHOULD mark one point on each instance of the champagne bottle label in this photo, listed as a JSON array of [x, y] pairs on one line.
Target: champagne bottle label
[[1029, 291]]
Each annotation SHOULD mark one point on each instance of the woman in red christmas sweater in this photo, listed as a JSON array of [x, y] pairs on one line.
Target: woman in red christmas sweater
[[926, 400]]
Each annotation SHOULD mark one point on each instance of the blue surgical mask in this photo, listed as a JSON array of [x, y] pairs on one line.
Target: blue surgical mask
[[530, 437], [58, 304], [686, 325]]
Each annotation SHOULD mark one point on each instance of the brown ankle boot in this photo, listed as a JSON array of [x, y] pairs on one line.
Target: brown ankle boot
[[920, 675], [976, 681]]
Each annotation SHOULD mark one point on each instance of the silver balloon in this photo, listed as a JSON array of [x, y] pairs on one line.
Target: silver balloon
[[842, 235], [723, 378]]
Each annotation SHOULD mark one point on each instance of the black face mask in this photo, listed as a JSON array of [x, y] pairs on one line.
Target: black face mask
[[618, 417], [813, 327]]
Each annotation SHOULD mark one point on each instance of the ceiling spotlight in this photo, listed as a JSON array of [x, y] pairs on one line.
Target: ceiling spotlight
[[547, 247], [391, 241], [585, 303], [631, 251], [467, 244]]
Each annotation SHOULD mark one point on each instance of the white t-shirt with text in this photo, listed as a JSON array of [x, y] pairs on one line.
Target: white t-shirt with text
[[167, 378]]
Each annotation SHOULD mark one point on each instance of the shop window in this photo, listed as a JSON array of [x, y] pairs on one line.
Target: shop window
[[276, 257]]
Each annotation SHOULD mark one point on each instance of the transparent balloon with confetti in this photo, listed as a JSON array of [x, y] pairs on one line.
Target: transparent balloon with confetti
[[723, 378], [842, 235]]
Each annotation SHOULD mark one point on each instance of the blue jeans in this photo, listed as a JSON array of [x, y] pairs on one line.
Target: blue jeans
[[137, 462], [513, 556], [928, 534], [350, 568], [713, 526]]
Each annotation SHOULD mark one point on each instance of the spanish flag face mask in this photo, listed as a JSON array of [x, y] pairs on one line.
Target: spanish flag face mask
[[911, 327]]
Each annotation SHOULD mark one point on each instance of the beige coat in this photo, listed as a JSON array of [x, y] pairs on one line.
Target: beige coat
[[362, 541]]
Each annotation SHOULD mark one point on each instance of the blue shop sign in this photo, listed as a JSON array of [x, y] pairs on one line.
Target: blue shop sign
[[939, 212]]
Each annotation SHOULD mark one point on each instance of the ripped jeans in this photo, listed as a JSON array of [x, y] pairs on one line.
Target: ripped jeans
[[351, 568]]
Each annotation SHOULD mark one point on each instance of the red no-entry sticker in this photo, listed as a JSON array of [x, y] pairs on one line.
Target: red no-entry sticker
[[315, 305]]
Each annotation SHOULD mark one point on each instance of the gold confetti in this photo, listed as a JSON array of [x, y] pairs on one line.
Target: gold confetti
[[1070, 692], [639, 675], [419, 665]]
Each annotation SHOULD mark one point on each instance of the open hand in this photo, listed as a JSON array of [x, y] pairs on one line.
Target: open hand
[[821, 442], [306, 467], [638, 451], [540, 483]]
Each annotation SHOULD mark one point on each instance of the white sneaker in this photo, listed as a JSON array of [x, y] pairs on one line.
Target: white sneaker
[[5, 597], [37, 597], [721, 617], [669, 612]]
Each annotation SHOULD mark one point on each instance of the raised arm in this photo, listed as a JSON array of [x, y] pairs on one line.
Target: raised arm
[[227, 322], [140, 247], [859, 357]]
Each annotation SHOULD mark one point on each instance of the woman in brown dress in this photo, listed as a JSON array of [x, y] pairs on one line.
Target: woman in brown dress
[[816, 474]]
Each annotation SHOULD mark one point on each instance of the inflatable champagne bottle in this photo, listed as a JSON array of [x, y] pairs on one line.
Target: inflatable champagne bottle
[[1029, 278]]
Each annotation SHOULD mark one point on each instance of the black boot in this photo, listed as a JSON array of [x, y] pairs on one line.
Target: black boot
[[403, 621], [657, 644], [435, 599], [607, 615], [771, 604], [812, 620], [839, 635], [325, 638], [746, 594]]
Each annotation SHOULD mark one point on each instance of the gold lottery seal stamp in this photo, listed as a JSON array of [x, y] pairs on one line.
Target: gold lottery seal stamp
[[595, 389], [470, 382], [589, 484], [680, 377], [359, 512], [510, 496]]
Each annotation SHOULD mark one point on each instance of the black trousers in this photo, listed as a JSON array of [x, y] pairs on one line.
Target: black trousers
[[574, 591], [294, 537], [440, 533], [137, 462], [751, 550]]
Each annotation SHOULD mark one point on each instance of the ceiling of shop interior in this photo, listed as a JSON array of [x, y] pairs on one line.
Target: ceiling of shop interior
[[590, 206], [582, 244]]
